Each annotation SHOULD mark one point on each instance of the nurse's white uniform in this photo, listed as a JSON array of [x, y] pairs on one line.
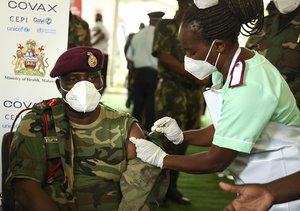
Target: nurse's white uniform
[[255, 114]]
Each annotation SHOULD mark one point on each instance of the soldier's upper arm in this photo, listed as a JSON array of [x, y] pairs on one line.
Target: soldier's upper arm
[[136, 132]]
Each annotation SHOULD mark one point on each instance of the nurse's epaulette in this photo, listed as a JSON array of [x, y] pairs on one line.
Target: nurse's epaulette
[[237, 74]]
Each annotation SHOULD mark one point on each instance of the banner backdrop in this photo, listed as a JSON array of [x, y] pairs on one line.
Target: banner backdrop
[[33, 33]]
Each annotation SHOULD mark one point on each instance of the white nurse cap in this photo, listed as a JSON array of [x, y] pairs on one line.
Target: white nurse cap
[[203, 4]]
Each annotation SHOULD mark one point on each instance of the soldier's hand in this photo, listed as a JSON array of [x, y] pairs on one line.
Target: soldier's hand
[[169, 128], [149, 152]]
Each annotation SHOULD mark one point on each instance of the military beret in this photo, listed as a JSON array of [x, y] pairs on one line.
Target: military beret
[[78, 59], [156, 15]]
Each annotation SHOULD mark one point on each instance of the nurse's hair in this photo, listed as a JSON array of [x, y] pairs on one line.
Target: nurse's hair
[[226, 19]]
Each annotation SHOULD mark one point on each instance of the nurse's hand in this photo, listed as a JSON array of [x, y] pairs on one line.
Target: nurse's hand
[[169, 128], [149, 152]]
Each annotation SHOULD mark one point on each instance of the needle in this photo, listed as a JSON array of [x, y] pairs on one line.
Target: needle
[[161, 125]]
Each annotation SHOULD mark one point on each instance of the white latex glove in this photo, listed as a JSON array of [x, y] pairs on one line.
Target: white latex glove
[[149, 152], [170, 128]]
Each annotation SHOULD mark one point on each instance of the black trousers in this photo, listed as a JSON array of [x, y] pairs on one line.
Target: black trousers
[[143, 99]]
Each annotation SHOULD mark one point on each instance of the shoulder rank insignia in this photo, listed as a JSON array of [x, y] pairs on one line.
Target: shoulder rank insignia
[[92, 60], [237, 74], [52, 102]]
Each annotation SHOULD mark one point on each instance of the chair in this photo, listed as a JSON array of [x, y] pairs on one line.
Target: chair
[[7, 196]]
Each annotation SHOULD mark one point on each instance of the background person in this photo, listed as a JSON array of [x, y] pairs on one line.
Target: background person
[[139, 53], [178, 92], [279, 41], [256, 132], [131, 71], [72, 153], [99, 40], [79, 32]]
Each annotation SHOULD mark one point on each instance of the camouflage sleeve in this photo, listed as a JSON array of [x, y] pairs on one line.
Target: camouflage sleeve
[[136, 184], [142, 184], [162, 40], [27, 155], [79, 32]]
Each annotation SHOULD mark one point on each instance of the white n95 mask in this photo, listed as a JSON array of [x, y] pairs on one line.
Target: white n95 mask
[[286, 6], [83, 97], [199, 68]]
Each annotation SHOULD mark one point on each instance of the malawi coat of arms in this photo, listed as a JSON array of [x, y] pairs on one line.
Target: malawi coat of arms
[[30, 59]]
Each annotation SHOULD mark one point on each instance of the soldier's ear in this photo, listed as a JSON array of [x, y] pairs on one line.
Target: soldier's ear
[[57, 82]]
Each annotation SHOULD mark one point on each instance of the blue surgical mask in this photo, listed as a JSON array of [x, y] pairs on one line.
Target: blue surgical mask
[[201, 69]]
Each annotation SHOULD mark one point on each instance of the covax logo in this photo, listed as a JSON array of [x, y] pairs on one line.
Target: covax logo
[[17, 104], [38, 7]]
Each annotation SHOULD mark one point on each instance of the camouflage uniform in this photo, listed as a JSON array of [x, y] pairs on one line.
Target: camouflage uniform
[[281, 47], [176, 95], [79, 32], [95, 174]]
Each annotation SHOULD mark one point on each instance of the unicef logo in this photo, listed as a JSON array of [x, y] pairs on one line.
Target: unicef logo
[[26, 29], [18, 29]]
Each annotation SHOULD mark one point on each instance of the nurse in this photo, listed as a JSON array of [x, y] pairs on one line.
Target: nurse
[[256, 122]]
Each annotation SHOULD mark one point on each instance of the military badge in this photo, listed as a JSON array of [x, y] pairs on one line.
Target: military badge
[[92, 60], [50, 139]]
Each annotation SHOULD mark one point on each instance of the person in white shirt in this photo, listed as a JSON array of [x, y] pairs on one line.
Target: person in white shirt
[[99, 40], [139, 54]]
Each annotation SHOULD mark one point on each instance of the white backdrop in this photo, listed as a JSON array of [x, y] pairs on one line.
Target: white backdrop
[[33, 34]]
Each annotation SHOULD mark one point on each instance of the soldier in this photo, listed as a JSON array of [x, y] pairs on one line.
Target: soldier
[[178, 92], [79, 32], [72, 153], [279, 42]]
